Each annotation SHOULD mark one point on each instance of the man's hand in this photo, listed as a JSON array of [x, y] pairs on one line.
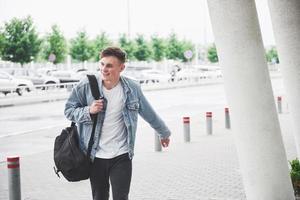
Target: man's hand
[[96, 106], [165, 142]]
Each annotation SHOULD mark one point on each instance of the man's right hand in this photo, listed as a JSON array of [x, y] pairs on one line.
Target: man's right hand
[[96, 106]]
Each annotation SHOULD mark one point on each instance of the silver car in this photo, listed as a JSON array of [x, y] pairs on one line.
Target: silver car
[[9, 84], [36, 78]]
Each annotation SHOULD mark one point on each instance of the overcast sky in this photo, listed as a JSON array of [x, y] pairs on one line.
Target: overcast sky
[[187, 18]]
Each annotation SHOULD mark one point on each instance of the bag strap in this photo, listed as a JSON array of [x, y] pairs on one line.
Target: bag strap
[[96, 94], [94, 86]]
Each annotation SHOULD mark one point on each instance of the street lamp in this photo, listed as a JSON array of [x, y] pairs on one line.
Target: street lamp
[[10, 58], [128, 19], [31, 61]]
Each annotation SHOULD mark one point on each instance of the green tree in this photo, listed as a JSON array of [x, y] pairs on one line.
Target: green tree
[[81, 48], [175, 49], [2, 40], [101, 42], [21, 43], [272, 55], [187, 46], [158, 48], [142, 51], [128, 46], [55, 44], [212, 54]]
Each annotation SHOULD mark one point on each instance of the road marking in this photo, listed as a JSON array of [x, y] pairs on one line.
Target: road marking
[[31, 131]]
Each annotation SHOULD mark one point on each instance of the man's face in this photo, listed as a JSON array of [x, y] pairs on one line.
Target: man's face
[[110, 68]]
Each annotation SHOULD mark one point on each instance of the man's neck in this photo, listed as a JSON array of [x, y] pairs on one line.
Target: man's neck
[[110, 84]]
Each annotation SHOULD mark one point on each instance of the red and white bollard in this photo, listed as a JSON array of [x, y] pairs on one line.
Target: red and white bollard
[[14, 183], [157, 144], [186, 129], [227, 118], [209, 123], [279, 104]]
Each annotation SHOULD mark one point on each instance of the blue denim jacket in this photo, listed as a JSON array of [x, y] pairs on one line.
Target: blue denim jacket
[[77, 110]]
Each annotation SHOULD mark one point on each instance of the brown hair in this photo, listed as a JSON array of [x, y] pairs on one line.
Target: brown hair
[[114, 51]]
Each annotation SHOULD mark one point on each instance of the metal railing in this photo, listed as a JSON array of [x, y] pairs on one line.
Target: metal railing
[[54, 92]]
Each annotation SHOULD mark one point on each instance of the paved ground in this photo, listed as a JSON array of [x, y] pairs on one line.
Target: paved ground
[[205, 169]]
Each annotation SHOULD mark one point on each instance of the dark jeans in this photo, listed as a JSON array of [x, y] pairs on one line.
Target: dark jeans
[[118, 170]]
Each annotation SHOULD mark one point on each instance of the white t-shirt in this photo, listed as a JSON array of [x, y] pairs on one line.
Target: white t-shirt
[[113, 138]]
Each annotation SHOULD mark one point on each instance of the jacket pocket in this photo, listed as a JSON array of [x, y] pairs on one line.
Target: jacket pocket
[[133, 108]]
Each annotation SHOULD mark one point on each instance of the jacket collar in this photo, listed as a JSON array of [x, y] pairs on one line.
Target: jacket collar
[[124, 83]]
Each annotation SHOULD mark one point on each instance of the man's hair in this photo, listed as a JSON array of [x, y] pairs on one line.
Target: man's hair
[[114, 51]]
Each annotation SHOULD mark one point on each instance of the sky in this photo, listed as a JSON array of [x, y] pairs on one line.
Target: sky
[[189, 19]]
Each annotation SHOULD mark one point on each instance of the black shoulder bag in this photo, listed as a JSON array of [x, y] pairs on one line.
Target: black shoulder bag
[[69, 159]]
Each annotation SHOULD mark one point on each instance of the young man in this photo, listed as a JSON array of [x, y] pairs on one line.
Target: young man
[[117, 112]]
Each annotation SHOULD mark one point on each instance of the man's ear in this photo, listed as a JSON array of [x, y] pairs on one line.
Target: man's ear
[[122, 67]]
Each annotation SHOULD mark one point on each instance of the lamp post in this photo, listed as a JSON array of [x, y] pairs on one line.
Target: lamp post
[[10, 59], [31, 61], [128, 19]]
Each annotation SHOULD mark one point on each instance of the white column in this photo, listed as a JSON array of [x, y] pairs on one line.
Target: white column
[[248, 89], [286, 24]]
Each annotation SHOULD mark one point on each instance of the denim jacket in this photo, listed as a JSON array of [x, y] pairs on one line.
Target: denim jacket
[[77, 110]]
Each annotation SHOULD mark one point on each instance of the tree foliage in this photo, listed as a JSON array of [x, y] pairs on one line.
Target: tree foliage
[[142, 51], [101, 42], [272, 56], [55, 44], [128, 46], [158, 46], [187, 46], [2, 40], [212, 55], [21, 42], [176, 48], [81, 47]]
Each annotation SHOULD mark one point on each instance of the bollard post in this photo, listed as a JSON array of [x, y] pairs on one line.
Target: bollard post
[[186, 129], [227, 118], [157, 144], [14, 185], [209, 123], [279, 104]]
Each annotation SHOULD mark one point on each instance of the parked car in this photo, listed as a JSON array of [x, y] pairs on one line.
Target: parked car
[[81, 73], [46, 70], [35, 77], [10, 84], [66, 76], [189, 74], [154, 76]]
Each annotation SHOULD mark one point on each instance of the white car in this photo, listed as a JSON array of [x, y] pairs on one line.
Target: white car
[[36, 78], [66, 76], [10, 84], [154, 76]]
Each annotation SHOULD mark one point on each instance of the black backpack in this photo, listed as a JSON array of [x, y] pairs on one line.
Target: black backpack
[[69, 159]]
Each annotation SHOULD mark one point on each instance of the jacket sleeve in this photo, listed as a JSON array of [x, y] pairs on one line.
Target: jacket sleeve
[[149, 115], [76, 108]]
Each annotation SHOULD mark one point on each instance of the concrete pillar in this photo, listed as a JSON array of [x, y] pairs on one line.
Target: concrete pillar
[[285, 17], [248, 89]]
